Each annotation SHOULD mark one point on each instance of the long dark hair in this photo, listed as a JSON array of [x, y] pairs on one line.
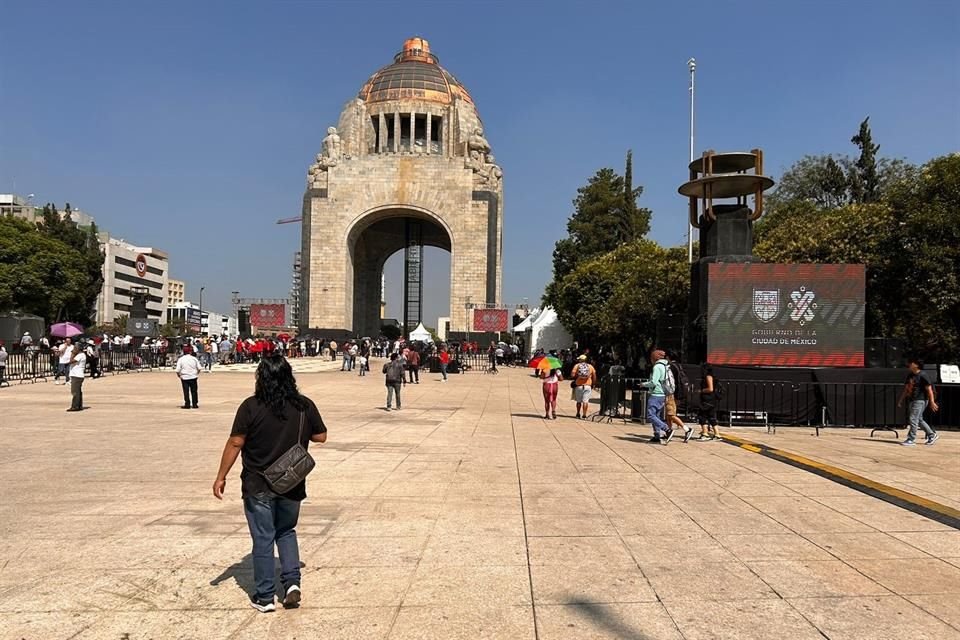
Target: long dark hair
[[276, 385]]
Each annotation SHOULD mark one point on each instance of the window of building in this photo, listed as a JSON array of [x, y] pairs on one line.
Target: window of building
[[436, 133]]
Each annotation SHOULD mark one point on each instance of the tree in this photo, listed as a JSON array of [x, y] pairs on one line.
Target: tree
[[390, 331], [865, 179], [39, 274], [910, 242], [605, 216], [616, 298]]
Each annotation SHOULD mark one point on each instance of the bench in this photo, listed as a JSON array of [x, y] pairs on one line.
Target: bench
[[751, 417]]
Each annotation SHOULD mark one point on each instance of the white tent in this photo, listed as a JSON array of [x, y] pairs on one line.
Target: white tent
[[547, 333], [527, 323], [420, 334]]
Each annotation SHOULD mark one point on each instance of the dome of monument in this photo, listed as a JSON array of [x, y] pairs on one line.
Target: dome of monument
[[415, 73]]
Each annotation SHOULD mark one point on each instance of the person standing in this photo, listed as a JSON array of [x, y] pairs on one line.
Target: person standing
[[65, 354], [77, 364], [918, 392], [93, 356], [656, 401], [551, 387], [267, 424], [413, 366], [333, 350], [584, 377], [393, 378], [188, 370], [3, 364], [708, 404], [444, 357], [363, 365]]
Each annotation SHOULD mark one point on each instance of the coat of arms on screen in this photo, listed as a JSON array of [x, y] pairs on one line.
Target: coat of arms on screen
[[766, 304], [802, 305]]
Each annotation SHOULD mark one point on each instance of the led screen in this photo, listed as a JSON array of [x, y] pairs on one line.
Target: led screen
[[803, 315]]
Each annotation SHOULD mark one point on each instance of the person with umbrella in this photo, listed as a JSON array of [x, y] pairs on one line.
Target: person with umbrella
[[549, 368]]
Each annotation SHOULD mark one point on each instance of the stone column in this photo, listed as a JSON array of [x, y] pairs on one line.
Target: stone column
[[429, 122], [396, 132], [382, 133], [413, 131]]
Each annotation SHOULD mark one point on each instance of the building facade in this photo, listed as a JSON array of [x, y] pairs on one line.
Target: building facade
[[176, 292], [407, 166], [129, 268]]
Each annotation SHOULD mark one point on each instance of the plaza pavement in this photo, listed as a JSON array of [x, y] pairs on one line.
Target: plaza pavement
[[464, 515]]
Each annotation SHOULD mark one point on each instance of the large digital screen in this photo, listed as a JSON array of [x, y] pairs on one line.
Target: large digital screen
[[268, 315], [801, 315]]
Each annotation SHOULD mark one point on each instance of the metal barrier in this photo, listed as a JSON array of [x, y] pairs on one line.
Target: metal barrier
[[35, 364]]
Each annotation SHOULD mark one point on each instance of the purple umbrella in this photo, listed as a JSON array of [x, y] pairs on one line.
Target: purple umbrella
[[65, 330]]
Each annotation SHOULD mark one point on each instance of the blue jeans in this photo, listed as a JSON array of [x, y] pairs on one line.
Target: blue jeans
[[915, 418], [273, 520], [655, 414], [443, 369], [393, 388]]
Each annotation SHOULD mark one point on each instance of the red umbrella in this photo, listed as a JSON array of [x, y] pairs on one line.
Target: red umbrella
[[535, 363], [283, 336]]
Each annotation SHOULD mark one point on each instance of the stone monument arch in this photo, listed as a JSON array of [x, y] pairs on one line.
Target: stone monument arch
[[407, 166]]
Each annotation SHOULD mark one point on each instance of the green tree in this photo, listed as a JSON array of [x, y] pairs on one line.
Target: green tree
[[616, 298], [40, 274], [605, 216], [865, 177]]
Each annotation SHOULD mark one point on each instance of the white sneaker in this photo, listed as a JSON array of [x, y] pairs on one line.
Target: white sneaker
[[933, 438], [263, 607]]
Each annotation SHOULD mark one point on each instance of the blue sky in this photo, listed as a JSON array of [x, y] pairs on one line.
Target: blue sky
[[189, 125]]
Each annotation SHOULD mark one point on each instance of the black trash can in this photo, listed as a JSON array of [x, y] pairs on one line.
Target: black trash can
[[638, 405]]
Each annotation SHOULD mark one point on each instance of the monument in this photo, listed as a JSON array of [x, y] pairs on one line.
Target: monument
[[407, 166]]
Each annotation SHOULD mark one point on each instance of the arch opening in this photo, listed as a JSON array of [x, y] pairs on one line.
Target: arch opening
[[371, 242]]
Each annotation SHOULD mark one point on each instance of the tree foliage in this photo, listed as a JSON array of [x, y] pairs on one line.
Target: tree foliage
[[52, 269], [616, 297], [908, 237], [606, 215]]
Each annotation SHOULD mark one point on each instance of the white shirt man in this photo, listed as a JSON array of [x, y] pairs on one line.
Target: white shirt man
[[188, 370], [65, 352]]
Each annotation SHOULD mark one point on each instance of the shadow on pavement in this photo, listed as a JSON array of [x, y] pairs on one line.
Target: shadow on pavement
[[634, 437], [601, 617], [241, 572]]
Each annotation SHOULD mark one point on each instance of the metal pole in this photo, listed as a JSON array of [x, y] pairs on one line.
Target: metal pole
[[692, 65]]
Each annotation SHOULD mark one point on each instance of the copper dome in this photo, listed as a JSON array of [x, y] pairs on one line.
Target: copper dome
[[415, 73]]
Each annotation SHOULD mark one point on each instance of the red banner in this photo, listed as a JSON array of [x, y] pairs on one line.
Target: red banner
[[268, 315], [489, 320]]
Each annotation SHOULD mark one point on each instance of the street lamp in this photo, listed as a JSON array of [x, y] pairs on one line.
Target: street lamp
[[201, 311]]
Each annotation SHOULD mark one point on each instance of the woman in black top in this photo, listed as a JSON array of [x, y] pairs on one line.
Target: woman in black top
[[267, 424], [708, 404]]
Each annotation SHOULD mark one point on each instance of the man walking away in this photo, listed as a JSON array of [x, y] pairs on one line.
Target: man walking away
[[444, 362], [413, 365], [679, 392], [266, 426], [919, 394], [584, 380], [656, 401], [77, 364], [188, 370], [393, 378]]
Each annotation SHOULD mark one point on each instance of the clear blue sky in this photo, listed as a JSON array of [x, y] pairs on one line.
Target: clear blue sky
[[189, 125]]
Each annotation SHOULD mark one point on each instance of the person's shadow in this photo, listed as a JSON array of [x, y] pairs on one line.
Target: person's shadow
[[242, 574]]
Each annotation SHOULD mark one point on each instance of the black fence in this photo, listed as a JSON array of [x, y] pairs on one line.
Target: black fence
[[860, 404], [36, 365]]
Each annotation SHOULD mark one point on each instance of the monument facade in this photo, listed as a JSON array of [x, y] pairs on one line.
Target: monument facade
[[407, 166]]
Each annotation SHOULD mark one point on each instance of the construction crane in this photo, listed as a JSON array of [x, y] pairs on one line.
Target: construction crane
[[290, 220]]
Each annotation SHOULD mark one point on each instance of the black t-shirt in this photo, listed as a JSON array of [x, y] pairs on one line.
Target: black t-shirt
[[919, 385], [268, 437]]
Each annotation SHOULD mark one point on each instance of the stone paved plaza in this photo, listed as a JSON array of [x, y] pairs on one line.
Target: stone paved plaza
[[464, 515]]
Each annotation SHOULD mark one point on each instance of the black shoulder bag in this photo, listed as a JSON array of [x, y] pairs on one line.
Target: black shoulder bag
[[291, 468]]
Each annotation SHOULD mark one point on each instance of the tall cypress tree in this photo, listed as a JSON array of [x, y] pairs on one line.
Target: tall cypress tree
[[865, 181]]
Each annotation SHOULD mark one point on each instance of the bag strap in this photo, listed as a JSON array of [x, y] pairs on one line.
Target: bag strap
[[300, 430]]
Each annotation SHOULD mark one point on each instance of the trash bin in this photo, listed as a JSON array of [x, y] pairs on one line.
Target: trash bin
[[638, 405]]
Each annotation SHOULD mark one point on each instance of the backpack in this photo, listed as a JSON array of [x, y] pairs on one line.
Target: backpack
[[669, 383], [682, 382]]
